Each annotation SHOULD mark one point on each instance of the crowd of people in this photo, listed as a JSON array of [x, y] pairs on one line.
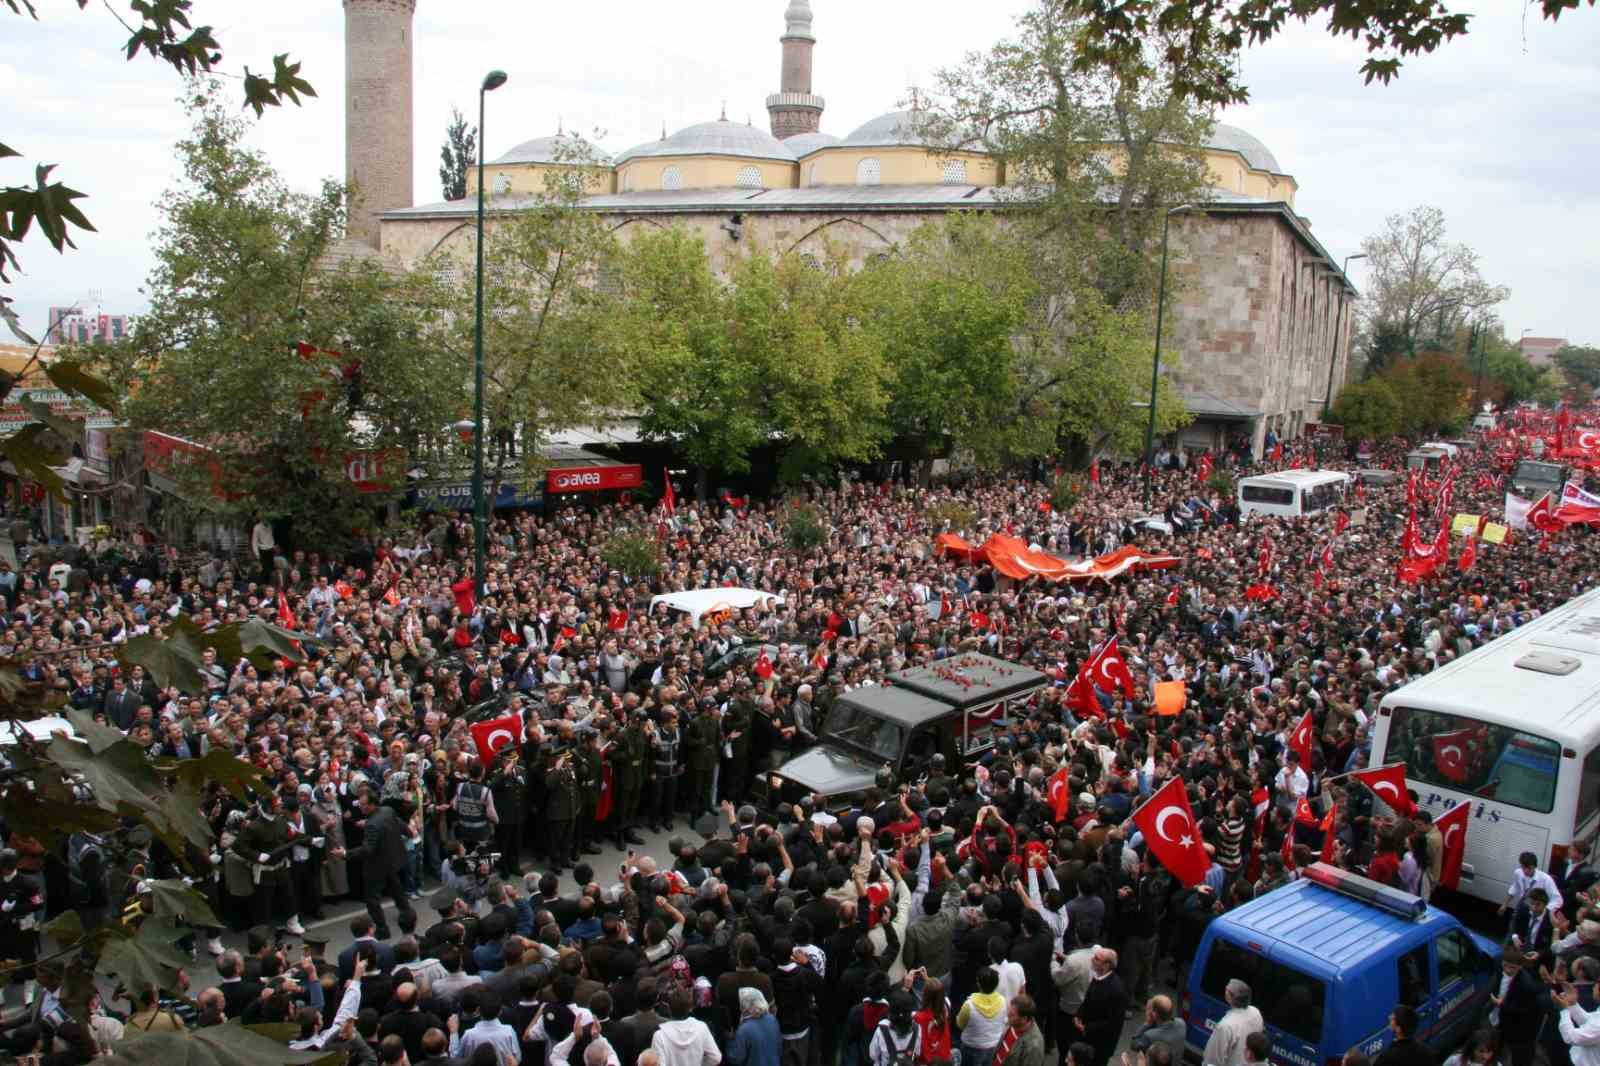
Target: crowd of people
[[949, 914]]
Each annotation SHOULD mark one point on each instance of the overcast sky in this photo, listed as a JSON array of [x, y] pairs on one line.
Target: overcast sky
[[1498, 130]]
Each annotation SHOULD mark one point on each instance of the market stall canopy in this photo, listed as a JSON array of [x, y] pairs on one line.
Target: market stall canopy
[[698, 602]]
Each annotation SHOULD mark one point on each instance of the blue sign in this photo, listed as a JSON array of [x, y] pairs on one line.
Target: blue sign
[[457, 496]]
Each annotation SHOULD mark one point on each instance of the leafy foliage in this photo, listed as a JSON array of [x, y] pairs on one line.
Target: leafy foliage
[[1065, 493], [163, 31], [1221, 483], [632, 553], [457, 156], [230, 1044], [951, 514], [1580, 363], [285, 362], [803, 527], [1368, 410], [1206, 36], [1422, 288]]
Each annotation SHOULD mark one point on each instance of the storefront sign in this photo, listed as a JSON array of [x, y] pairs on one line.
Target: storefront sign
[[593, 478], [457, 496]]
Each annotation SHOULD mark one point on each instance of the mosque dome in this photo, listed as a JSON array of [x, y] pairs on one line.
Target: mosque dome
[[806, 143], [714, 138], [887, 131], [1227, 138], [560, 148]]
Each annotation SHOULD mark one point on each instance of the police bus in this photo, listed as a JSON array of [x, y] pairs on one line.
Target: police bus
[[1513, 728]]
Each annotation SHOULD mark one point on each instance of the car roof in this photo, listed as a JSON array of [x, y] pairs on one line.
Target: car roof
[[1332, 931], [970, 680], [898, 705]]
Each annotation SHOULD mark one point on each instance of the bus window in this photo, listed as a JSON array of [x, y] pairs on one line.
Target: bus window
[[1267, 494], [1319, 497], [1589, 788], [1466, 755]]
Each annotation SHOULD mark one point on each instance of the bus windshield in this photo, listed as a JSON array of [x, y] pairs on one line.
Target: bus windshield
[[1465, 754], [1536, 473], [859, 729]]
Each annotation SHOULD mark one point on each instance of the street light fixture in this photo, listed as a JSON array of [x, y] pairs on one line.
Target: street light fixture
[[1155, 364], [491, 81], [1333, 356]]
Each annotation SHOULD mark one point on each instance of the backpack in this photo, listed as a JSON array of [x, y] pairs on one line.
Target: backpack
[[900, 1054], [935, 1039]]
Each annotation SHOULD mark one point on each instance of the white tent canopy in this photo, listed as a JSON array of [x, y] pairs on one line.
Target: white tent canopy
[[696, 602]]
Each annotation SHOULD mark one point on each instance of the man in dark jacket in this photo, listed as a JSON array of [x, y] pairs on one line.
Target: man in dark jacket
[[1406, 1050], [383, 855], [1100, 1019], [797, 989]]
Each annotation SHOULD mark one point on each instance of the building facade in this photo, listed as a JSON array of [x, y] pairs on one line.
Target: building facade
[[1260, 310], [70, 325]]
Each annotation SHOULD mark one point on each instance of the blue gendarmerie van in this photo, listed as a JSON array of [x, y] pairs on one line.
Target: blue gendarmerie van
[[1327, 957]]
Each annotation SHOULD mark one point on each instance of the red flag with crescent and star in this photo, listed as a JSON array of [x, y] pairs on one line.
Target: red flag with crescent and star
[[1328, 837], [1168, 825], [1108, 671], [763, 666], [1080, 695], [1450, 754], [1388, 783], [1453, 827], [1300, 741], [495, 734], [1060, 794]]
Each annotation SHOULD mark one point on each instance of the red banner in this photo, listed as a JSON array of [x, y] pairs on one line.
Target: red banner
[[594, 478]]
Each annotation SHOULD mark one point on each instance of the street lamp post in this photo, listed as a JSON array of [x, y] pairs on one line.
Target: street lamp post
[[1155, 364], [1333, 356], [491, 81]]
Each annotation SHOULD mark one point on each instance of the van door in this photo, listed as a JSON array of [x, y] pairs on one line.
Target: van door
[[1292, 1001], [1414, 979], [1465, 976]]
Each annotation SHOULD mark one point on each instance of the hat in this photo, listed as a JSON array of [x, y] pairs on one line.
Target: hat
[[314, 940], [258, 937]]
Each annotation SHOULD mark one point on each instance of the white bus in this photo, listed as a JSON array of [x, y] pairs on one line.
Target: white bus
[[1291, 493], [1512, 728]]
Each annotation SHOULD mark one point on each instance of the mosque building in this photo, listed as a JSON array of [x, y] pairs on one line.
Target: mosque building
[[1261, 322]]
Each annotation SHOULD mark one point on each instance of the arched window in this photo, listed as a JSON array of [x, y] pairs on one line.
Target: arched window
[[502, 185], [955, 172], [748, 178], [868, 172], [671, 179]]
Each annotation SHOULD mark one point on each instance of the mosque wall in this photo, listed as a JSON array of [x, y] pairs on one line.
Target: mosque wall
[[648, 174], [529, 179], [896, 166]]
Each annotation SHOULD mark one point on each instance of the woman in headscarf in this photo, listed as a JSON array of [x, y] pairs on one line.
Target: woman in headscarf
[[757, 1042], [329, 819]]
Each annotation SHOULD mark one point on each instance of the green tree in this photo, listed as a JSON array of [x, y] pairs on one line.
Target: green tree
[[1581, 364], [281, 362], [1208, 35], [162, 30], [1096, 157], [1434, 391], [554, 358], [457, 156], [1421, 286], [1368, 410]]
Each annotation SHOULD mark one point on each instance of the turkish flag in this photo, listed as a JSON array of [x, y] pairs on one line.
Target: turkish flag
[[1327, 556], [1277, 452], [344, 590], [1327, 833], [1469, 555], [495, 734], [1265, 563], [1261, 801], [1060, 794], [1109, 671], [1094, 472], [1450, 754], [980, 620], [763, 666], [1541, 516], [1080, 695], [1202, 466], [1300, 740], [392, 597], [1167, 823], [617, 621], [285, 616], [1172, 597], [820, 659], [1453, 827], [1388, 783], [669, 499], [1304, 814], [1341, 521], [1261, 593]]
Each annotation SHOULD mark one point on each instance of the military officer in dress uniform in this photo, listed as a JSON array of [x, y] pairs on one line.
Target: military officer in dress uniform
[[587, 765], [510, 787], [563, 807], [265, 844], [702, 746], [627, 758], [736, 735], [21, 902]]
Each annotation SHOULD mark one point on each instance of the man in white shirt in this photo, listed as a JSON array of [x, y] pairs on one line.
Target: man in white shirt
[[1526, 876], [489, 1030], [1291, 783], [1579, 1028], [263, 546]]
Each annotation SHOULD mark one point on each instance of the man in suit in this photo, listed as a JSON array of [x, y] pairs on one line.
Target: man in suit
[[383, 855], [1406, 1050], [1574, 874], [120, 704], [1520, 1003], [361, 930], [1100, 1020], [1531, 926]]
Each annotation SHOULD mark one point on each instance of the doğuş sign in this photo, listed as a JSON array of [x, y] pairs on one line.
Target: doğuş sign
[[594, 478]]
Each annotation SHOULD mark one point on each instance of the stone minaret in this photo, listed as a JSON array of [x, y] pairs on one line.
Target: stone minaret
[[794, 110], [377, 110]]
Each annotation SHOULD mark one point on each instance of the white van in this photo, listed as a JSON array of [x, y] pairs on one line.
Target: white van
[[1512, 729], [1292, 493], [1452, 450]]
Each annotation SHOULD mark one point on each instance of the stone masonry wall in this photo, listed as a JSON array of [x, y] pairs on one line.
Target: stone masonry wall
[[378, 117]]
